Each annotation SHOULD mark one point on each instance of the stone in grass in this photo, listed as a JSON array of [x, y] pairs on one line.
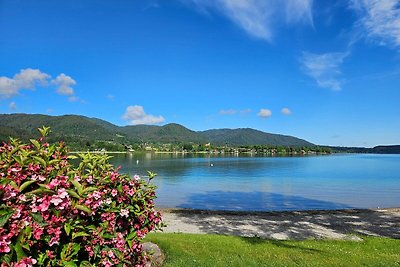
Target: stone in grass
[[156, 255]]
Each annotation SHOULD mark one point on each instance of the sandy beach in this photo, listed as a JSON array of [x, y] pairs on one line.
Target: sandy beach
[[295, 225]]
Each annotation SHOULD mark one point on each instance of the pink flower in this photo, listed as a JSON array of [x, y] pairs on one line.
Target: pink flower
[[4, 242], [17, 169], [114, 192], [136, 177], [106, 263], [56, 200], [108, 201], [22, 198], [124, 213], [37, 232], [53, 183], [26, 262], [96, 195], [111, 254], [62, 193], [44, 205], [89, 249], [131, 192]]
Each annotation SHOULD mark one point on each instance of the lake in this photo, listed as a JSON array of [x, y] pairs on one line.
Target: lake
[[228, 182]]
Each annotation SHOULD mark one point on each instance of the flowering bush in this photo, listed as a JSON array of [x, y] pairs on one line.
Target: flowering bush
[[53, 213]]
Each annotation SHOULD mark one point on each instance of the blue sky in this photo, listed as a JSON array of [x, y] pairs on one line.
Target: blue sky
[[325, 71]]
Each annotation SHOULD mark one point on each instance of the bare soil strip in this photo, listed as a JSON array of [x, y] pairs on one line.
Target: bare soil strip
[[297, 225]]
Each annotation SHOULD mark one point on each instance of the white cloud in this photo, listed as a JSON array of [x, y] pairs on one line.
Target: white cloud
[[12, 106], [32, 78], [257, 17], [234, 111], [264, 113], [110, 97], [324, 68], [227, 111], [64, 83], [136, 115], [25, 79], [379, 20], [245, 111], [286, 111]]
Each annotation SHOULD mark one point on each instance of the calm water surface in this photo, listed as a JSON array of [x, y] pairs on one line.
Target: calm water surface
[[270, 183]]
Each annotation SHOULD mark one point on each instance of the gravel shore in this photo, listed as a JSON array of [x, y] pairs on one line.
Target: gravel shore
[[337, 224]]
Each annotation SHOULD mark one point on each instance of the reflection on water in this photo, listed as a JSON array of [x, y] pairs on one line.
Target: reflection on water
[[269, 183]]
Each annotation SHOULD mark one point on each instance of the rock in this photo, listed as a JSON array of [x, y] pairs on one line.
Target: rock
[[156, 256]]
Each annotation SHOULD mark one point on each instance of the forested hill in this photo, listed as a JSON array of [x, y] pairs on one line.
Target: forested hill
[[247, 136], [81, 130]]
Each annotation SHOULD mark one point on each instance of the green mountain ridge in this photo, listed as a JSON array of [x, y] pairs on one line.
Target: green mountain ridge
[[248, 136], [83, 130]]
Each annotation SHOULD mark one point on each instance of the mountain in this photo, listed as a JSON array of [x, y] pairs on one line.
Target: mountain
[[81, 131], [66, 127], [247, 136], [169, 133]]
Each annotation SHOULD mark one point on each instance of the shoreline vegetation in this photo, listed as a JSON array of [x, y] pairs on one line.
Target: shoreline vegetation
[[208, 149], [219, 151], [91, 134]]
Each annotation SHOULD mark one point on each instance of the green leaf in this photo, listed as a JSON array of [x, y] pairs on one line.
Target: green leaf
[[41, 258], [7, 258], [54, 161], [72, 193], [5, 181], [75, 235], [44, 131], [89, 189], [42, 161], [91, 227], [37, 217], [5, 215], [69, 264], [19, 250], [85, 264], [83, 208], [78, 186], [14, 150], [13, 184], [40, 191], [25, 185], [35, 143], [130, 243], [67, 228], [151, 175], [108, 236], [131, 235]]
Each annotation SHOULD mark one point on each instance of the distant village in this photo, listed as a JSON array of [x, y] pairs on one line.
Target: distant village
[[209, 148]]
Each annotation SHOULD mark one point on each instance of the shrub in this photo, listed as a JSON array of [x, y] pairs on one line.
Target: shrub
[[55, 213]]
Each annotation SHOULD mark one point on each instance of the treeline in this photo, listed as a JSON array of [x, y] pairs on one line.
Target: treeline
[[209, 148], [393, 149]]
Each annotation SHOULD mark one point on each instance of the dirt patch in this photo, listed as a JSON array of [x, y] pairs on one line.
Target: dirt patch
[[337, 224]]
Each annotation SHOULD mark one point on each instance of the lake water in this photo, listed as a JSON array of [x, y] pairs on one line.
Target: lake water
[[270, 183]]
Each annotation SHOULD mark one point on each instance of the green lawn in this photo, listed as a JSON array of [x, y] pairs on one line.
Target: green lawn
[[219, 250]]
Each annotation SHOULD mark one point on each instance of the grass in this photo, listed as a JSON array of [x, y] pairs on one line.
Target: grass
[[219, 250]]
